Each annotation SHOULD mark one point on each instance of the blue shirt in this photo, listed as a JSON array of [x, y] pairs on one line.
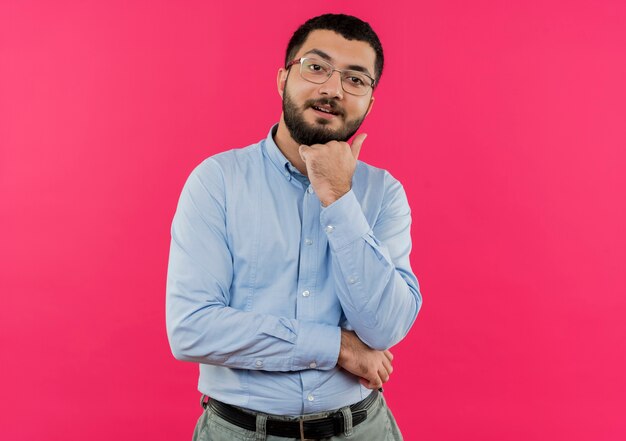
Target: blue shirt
[[261, 278]]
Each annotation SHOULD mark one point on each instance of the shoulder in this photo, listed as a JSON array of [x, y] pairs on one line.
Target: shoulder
[[230, 163], [380, 188], [371, 172], [378, 178], [218, 173], [235, 158]]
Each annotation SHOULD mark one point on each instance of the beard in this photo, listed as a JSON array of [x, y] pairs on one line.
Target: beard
[[306, 134]]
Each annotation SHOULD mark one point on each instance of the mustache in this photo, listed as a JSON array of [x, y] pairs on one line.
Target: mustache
[[332, 103]]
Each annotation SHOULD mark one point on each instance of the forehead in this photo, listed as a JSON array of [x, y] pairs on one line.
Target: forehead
[[342, 52]]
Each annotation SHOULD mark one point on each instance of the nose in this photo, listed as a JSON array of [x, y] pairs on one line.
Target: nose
[[332, 87]]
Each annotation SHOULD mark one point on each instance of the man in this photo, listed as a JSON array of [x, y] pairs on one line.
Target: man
[[289, 275]]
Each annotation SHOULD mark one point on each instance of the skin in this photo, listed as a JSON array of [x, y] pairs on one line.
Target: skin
[[330, 166], [371, 366]]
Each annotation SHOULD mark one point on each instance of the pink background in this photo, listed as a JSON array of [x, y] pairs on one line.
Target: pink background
[[506, 122]]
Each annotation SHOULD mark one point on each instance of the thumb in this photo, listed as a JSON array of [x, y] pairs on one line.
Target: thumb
[[302, 150], [357, 143]]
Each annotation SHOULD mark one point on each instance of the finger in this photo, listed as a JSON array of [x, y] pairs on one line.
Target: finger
[[368, 384], [389, 355], [357, 143], [384, 377], [372, 380], [376, 380], [302, 151], [384, 374], [372, 385], [388, 366]]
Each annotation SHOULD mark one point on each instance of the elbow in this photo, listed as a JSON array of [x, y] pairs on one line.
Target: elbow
[[180, 351], [182, 343], [391, 329], [380, 341], [379, 345], [188, 344], [179, 355], [190, 338]]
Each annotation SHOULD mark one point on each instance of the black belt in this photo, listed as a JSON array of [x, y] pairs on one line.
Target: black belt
[[327, 427]]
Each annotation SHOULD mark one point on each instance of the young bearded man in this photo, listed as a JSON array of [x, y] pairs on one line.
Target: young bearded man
[[289, 275]]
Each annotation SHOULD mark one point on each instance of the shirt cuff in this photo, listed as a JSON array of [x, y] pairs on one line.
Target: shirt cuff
[[343, 221], [317, 346]]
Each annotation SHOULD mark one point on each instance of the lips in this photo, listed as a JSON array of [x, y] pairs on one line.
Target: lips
[[325, 109]]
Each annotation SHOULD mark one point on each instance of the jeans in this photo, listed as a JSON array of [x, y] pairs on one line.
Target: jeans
[[380, 425]]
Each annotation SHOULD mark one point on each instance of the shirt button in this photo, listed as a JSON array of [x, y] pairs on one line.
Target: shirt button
[[259, 363], [310, 190], [310, 397], [329, 229], [352, 280], [306, 293], [313, 365], [308, 242]]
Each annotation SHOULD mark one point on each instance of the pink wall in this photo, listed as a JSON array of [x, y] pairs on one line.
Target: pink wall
[[506, 121]]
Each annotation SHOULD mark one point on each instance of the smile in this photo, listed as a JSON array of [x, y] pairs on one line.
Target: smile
[[325, 111], [322, 109]]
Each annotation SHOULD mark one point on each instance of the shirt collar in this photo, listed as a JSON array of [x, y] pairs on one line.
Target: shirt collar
[[279, 160]]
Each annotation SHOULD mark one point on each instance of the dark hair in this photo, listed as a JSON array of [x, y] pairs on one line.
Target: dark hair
[[349, 27]]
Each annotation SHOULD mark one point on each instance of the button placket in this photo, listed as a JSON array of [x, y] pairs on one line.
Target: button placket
[[308, 258], [307, 285]]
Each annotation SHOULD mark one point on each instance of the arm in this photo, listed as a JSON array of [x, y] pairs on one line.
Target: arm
[[201, 325], [375, 285], [372, 366]]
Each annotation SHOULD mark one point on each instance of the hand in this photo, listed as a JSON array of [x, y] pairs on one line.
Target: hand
[[373, 367], [330, 167]]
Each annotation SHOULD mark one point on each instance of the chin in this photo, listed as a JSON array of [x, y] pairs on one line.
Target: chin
[[323, 122]]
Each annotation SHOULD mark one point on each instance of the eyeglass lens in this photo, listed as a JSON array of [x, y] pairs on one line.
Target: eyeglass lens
[[318, 71]]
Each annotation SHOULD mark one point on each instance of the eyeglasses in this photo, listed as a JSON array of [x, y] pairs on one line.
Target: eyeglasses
[[318, 71]]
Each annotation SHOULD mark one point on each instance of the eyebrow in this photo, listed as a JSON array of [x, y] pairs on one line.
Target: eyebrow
[[328, 58]]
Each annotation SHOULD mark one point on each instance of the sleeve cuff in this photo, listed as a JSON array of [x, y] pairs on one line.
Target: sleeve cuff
[[343, 221], [317, 346]]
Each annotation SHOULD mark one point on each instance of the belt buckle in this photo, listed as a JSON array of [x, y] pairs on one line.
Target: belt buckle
[[301, 420]]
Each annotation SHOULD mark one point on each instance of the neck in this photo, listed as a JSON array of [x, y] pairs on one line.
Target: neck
[[289, 147]]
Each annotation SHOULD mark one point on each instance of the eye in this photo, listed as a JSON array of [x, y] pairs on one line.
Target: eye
[[356, 81], [314, 67]]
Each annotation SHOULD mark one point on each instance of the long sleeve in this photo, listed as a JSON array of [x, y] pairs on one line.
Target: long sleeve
[[377, 290], [201, 324]]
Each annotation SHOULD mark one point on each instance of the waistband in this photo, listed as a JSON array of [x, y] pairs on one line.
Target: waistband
[[311, 426]]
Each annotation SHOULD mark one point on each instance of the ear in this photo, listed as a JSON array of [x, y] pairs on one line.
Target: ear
[[371, 104], [281, 78]]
